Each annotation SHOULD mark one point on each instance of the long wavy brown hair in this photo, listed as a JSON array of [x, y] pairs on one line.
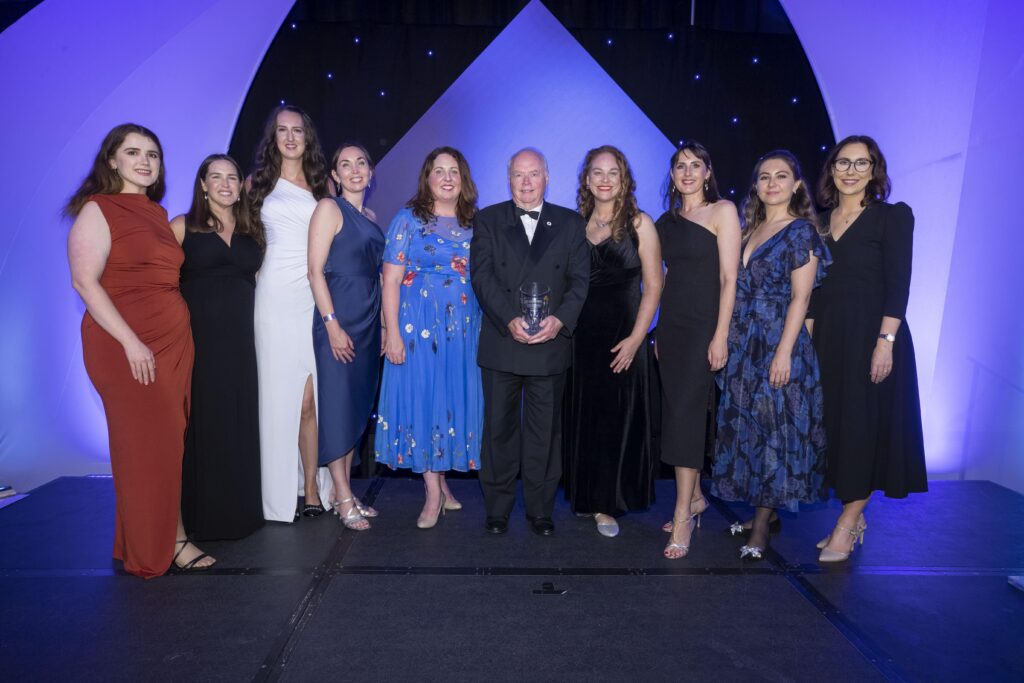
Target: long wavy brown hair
[[878, 188], [753, 211], [200, 218], [625, 209], [102, 179], [673, 197], [267, 165], [422, 203]]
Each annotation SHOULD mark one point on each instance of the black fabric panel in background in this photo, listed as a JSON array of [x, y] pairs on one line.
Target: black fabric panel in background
[[657, 71]]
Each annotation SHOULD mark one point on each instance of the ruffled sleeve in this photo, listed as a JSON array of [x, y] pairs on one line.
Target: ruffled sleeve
[[399, 237], [897, 256], [804, 240]]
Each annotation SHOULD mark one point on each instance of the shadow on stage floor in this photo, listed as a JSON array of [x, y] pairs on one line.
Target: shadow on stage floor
[[925, 599]]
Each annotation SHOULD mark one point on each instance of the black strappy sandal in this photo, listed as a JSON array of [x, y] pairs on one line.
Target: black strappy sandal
[[175, 568]]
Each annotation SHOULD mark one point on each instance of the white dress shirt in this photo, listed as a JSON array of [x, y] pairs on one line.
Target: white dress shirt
[[530, 224]]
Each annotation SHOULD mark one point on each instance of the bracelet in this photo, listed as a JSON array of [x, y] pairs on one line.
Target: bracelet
[[329, 317], [891, 338]]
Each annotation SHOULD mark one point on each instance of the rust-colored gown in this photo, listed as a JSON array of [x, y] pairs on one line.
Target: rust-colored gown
[[146, 423]]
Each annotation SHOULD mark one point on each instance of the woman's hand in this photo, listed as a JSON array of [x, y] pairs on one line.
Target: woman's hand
[[341, 344], [881, 361], [718, 353], [624, 352], [778, 372], [383, 339], [141, 360], [394, 347]]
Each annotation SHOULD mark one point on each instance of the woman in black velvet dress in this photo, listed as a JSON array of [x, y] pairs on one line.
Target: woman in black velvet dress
[[700, 242], [608, 460], [864, 347], [220, 496]]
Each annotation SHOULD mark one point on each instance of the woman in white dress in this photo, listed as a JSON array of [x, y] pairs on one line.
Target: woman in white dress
[[289, 178]]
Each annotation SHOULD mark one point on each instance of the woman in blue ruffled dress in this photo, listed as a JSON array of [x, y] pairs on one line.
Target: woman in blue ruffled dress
[[430, 412], [770, 451]]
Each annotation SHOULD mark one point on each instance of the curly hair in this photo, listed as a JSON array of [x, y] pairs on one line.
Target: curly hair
[[753, 211], [102, 179], [673, 197], [422, 203], [878, 187], [625, 212], [201, 219], [267, 165]]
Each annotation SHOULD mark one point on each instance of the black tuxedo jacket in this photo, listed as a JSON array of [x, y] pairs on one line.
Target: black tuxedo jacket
[[502, 260]]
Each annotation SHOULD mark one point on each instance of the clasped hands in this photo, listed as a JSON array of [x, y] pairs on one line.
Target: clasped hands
[[549, 329]]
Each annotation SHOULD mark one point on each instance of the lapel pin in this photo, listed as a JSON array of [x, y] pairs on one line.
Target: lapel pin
[[549, 224]]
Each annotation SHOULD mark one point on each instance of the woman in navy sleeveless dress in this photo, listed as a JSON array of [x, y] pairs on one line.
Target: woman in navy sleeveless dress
[[345, 250], [700, 244], [770, 451]]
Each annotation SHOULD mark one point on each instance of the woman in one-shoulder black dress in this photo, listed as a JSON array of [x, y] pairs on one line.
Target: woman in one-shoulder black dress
[[220, 497], [700, 242], [864, 347]]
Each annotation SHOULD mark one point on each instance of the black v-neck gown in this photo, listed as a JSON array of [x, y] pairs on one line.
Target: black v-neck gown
[[220, 496], [608, 459], [874, 435]]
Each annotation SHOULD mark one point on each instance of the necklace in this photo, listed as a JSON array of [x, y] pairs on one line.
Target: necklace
[[602, 225]]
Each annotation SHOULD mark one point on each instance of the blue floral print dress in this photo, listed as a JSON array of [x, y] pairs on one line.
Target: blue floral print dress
[[430, 411], [770, 450]]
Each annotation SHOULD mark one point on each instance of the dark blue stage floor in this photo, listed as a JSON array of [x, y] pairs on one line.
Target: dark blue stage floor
[[926, 599]]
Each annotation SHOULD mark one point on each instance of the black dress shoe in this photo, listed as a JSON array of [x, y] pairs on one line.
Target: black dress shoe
[[542, 526], [313, 510], [496, 525]]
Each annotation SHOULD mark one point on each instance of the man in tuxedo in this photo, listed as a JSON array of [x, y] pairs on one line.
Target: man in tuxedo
[[516, 242]]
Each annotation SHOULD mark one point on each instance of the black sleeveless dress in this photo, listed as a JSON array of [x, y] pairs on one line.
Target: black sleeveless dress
[[686, 324], [608, 461], [220, 488]]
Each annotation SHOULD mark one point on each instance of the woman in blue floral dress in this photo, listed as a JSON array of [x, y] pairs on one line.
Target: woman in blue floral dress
[[770, 451], [430, 412]]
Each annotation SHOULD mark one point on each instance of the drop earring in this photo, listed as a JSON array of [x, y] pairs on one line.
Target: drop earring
[[705, 186], [206, 197]]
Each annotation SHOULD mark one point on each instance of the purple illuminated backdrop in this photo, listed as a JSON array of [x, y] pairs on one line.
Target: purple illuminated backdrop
[[936, 82]]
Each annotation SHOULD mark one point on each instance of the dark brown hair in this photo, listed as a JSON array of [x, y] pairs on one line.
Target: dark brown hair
[[878, 186], [800, 206], [104, 180], [625, 211], [337, 155], [673, 197], [268, 163], [201, 219], [422, 203]]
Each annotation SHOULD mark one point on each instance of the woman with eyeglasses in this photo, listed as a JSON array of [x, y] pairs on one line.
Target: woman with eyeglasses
[[864, 347]]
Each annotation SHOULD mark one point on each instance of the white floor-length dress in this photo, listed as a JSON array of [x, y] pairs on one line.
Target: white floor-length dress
[[284, 348]]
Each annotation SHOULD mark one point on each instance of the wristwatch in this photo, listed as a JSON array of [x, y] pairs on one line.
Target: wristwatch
[[887, 337]]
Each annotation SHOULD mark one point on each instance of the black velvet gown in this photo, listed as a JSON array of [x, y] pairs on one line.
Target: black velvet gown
[[220, 496], [873, 431], [686, 324], [608, 461]]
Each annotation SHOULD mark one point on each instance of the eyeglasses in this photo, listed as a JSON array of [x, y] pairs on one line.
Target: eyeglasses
[[860, 165]]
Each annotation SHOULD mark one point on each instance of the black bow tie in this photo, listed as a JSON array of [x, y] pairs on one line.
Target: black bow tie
[[523, 212]]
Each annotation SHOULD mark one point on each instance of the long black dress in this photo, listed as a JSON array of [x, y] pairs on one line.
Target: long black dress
[[874, 434], [220, 496], [686, 324], [608, 461]]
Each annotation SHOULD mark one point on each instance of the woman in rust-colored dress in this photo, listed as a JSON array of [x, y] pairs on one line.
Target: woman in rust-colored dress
[[137, 344]]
